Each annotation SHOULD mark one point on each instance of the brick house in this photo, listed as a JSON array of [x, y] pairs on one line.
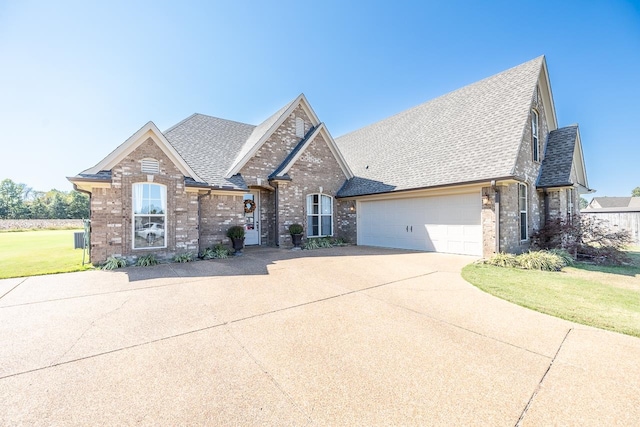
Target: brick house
[[473, 172]]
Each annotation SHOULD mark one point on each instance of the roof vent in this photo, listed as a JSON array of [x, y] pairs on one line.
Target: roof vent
[[150, 166], [299, 127]]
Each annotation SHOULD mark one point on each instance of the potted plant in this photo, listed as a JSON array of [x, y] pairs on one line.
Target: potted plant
[[296, 234], [236, 235]]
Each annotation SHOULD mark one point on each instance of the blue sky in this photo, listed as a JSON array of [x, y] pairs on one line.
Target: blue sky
[[78, 78]]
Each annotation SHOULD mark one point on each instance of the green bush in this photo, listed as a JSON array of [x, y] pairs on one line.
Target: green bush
[[552, 260], [235, 232], [114, 262], [185, 257], [503, 260], [566, 256], [295, 229], [147, 260], [216, 252]]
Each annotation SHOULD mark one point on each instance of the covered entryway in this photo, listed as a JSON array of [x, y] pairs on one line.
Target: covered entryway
[[449, 224]]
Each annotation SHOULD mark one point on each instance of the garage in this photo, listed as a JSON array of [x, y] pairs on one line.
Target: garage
[[449, 224]]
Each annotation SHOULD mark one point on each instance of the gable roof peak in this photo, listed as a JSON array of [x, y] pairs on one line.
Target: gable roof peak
[[265, 129]]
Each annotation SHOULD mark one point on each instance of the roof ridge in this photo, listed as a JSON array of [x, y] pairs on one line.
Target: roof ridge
[[205, 115]]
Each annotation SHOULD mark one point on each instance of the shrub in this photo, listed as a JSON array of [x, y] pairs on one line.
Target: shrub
[[295, 229], [235, 232], [564, 255], [216, 252], [318, 242], [114, 262], [185, 257], [503, 260], [540, 260], [585, 237], [338, 241], [147, 260]]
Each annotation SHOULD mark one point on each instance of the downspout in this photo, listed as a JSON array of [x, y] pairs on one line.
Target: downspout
[[546, 206], [277, 196], [200, 197], [88, 243], [497, 212]]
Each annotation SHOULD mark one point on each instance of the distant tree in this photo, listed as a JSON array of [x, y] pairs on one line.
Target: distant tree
[[18, 201], [12, 201], [635, 192], [78, 205], [583, 203], [57, 204]]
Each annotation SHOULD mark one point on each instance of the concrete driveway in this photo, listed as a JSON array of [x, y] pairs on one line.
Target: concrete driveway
[[343, 336]]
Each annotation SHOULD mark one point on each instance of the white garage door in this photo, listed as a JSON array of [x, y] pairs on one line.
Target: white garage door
[[449, 224]]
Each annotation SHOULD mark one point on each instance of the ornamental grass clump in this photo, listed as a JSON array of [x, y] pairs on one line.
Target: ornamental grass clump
[[185, 257], [114, 262], [216, 252], [552, 260], [541, 260], [503, 260], [147, 260]]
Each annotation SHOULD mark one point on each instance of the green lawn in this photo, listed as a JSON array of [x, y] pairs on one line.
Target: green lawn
[[604, 297], [29, 253]]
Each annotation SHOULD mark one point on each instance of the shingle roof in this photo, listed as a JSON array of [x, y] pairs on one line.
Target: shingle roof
[[258, 132], [209, 145], [613, 204], [558, 158], [468, 135]]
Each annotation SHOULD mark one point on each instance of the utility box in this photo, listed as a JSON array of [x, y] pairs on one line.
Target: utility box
[[78, 240]]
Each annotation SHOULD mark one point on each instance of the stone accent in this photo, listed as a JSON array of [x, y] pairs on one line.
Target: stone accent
[[112, 211]]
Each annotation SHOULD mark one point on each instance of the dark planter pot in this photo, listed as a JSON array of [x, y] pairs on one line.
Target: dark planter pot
[[297, 240], [238, 244]]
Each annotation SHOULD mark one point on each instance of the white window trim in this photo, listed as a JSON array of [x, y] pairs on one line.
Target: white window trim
[[535, 135], [524, 211], [319, 214], [134, 215]]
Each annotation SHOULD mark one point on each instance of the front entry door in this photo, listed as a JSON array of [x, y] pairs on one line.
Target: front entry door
[[251, 218]]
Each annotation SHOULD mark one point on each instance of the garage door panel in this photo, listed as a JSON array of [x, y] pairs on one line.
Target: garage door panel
[[450, 224]]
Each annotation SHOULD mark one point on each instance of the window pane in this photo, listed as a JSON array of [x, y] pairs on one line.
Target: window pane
[[523, 226], [326, 205], [154, 192], [314, 208], [149, 232], [326, 225]]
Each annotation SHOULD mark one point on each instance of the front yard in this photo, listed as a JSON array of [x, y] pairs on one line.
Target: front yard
[[599, 296], [30, 253]]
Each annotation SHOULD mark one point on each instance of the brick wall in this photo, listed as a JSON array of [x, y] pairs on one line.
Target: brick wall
[[217, 214], [315, 168], [112, 212], [529, 170]]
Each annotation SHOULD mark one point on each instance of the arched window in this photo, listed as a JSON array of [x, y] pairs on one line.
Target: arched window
[[149, 215], [522, 204], [319, 215], [535, 144]]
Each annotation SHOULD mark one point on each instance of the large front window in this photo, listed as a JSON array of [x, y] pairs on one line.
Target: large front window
[[319, 215], [149, 215], [522, 203]]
